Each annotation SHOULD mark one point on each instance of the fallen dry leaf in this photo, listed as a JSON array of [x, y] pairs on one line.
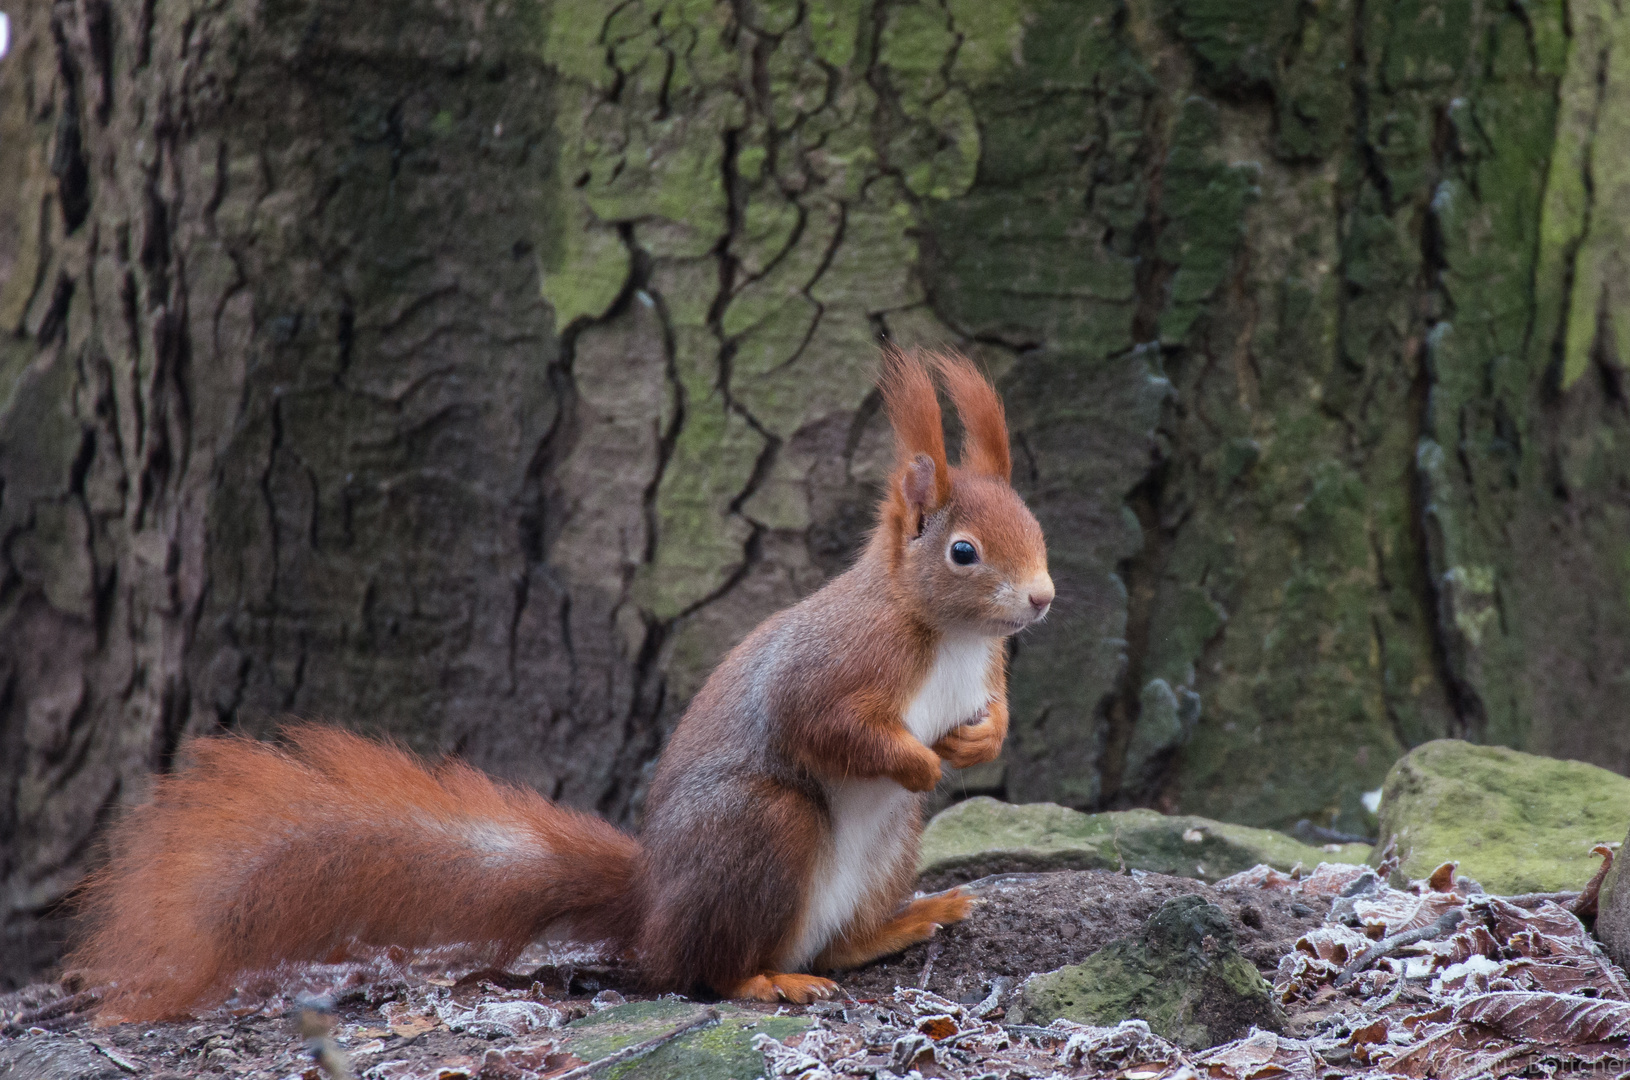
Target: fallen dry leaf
[[1332, 879], [1439, 1015], [526, 1062], [1443, 878], [1455, 1052], [1392, 911], [1333, 942], [1459, 946], [1241, 1057], [1301, 976], [1325, 881], [1587, 976], [1548, 1019], [1370, 1033], [1260, 876], [1263, 1056], [1506, 920], [407, 1023]]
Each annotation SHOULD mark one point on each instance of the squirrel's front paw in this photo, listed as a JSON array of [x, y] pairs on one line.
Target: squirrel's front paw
[[971, 744], [921, 772]]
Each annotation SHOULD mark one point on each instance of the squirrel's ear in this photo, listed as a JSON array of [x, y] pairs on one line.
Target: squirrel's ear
[[984, 425], [914, 414], [917, 488]]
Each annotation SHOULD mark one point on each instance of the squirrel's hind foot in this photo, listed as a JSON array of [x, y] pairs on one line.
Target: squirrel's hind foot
[[778, 986], [915, 922]]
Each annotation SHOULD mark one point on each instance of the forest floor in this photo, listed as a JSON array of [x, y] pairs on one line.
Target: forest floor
[[1434, 980]]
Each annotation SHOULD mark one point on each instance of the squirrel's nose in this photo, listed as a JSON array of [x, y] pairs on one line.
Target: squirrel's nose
[[1039, 589]]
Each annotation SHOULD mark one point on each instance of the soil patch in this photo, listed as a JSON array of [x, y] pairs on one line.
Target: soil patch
[[1026, 923]]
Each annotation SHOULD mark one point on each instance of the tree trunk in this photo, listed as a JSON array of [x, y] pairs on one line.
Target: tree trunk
[[477, 373]]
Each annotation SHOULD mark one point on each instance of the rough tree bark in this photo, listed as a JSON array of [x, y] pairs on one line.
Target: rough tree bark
[[478, 371]]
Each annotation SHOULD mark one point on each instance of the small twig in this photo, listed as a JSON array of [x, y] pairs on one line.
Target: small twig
[[1394, 995], [708, 1018], [117, 1059], [1387, 945], [999, 986], [78, 1003], [934, 950]]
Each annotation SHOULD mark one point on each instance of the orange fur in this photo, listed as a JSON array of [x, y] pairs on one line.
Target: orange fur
[[257, 855], [777, 986], [984, 422], [917, 921], [919, 429]]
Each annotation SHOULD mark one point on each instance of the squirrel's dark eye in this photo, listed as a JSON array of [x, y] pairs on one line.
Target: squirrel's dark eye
[[963, 553]]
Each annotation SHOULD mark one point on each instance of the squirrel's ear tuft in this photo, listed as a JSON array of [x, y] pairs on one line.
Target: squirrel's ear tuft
[[922, 479], [984, 425]]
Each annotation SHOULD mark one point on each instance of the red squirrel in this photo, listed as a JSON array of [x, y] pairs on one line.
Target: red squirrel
[[781, 828]]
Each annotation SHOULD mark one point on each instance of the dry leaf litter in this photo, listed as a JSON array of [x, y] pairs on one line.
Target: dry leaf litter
[[1434, 980]]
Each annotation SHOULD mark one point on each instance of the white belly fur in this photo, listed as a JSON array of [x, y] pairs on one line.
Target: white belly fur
[[957, 688], [873, 820]]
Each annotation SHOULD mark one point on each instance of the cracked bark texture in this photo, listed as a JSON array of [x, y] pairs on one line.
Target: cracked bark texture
[[478, 372]]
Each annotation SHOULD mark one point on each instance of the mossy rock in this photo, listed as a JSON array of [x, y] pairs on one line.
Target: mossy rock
[[1515, 822], [985, 836], [1185, 978], [722, 1051]]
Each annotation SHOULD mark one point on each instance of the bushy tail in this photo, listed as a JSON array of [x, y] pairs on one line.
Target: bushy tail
[[257, 854]]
